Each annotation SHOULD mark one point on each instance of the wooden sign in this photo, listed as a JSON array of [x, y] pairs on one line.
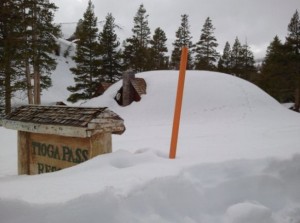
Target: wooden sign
[[48, 147], [41, 153]]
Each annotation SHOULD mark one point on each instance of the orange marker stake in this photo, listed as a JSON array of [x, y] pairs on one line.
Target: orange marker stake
[[178, 103]]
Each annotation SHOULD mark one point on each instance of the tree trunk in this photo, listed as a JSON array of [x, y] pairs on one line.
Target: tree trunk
[[28, 80], [37, 88], [8, 90], [27, 66], [297, 99], [36, 73]]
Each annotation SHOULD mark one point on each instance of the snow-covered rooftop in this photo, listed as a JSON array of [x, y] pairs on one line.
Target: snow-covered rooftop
[[237, 159]]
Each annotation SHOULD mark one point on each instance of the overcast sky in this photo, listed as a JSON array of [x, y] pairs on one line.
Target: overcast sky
[[256, 21]]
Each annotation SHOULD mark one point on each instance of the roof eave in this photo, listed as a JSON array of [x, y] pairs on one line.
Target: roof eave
[[69, 131]]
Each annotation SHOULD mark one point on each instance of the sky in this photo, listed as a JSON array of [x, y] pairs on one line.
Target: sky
[[254, 21]]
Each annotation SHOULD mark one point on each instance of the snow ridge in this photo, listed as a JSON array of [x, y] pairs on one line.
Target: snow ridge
[[237, 159]]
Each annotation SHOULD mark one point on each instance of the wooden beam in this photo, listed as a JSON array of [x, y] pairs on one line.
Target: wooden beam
[[23, 153], [70, 131]]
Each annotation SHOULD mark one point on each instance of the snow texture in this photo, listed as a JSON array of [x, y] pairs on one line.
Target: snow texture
[[238, 159]]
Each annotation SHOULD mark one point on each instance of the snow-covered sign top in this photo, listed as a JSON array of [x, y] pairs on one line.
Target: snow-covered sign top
[[63, 120]]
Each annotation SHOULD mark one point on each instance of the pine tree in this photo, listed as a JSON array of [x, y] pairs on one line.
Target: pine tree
[[224, 64], [40, 42], [8, 42], [77, 32], [248, 63], [87, 59], [236, 58], [110, 54], [11, 50], [136, 51], [206, 53], [293, 45], [293, 37], [29, 39], [141, 29], [274, 79], [158, 49], [183, 38]]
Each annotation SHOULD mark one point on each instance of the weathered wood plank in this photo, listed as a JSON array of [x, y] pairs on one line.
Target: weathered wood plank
[[78, 122], [100, 144], [46, 129], [49, 140], [23, 153], [50, 153]]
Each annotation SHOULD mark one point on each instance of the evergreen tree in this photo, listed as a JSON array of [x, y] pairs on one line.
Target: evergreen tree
[[87, 58], [293, 37], [40, 44], [224, 64], [28, 38], [159, 60], [248, 63], [206, 53], [77, 32], [136, 53], [293, 45], [236, 58], [141, 29], [280, 75], [183, 38], [110, 54], [8, 42], [130, 47], [274, 78]]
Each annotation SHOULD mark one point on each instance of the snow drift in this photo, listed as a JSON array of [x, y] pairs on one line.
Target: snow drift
[[223, 117], [237, 160]]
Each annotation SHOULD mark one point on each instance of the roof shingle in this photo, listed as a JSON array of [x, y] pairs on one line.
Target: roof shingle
[[63, 120]]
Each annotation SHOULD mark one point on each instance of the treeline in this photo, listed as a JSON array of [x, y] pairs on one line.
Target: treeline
[[27, 40], [27, 26], [278, 74], [100, 58]]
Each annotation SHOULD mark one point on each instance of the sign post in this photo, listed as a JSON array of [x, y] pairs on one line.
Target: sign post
[[178, 103], [51, 138]]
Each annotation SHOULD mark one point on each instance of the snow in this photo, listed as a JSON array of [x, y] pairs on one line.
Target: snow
[[238, 159]]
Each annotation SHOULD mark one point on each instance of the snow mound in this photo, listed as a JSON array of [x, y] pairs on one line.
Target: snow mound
[[235, 159], [223, 117], [205, 93]]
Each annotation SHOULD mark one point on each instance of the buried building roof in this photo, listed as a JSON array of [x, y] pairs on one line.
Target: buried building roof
[[139, 84], [66, 121], [101, 88], [132, 89]]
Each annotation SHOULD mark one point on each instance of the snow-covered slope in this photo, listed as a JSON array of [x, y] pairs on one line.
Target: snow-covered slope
[[223, 117], [236, 161]]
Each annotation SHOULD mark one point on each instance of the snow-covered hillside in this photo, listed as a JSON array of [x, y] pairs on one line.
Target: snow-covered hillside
[[238, 159], [223, 117]]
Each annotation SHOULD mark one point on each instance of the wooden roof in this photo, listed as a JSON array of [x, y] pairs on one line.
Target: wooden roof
[[62, 119], [105, 85], [139, 85], [55, 115], [101, 88]]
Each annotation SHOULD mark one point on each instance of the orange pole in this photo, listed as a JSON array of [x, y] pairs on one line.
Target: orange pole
[[178, 103]]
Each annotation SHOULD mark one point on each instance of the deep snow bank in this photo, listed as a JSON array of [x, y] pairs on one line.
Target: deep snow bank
[[223, 117], [223, 172], [208, 94], [230, 192]]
